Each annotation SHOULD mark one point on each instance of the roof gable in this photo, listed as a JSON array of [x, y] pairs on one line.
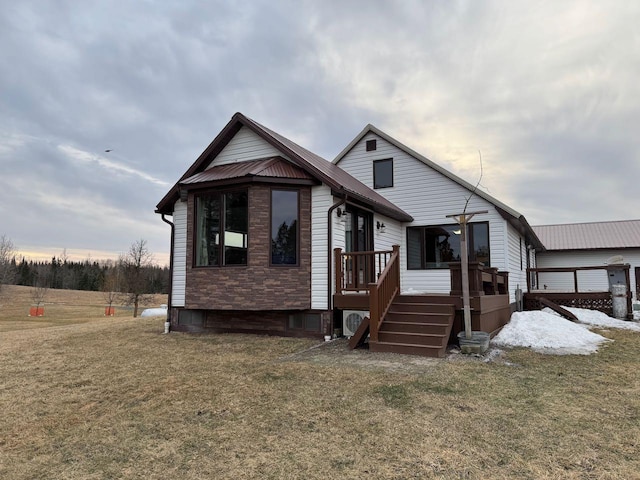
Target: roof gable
[[590, 236], [516, 219], [340, 181]]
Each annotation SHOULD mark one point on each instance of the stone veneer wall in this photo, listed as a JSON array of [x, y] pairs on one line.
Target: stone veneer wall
[[256, 286]]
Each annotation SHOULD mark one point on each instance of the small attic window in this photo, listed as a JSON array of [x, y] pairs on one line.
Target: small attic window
[[371, 145]]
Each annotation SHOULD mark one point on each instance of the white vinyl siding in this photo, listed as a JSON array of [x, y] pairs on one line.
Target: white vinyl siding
[[587, 281], [429, 197], [245, 146], [321, 201], [178, 285], [385, 241], [517, 262]]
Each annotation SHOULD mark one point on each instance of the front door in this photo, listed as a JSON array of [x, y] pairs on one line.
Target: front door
[[359, 243]]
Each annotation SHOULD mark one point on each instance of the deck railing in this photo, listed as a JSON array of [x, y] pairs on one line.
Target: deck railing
[[574, 297], [482, 280], [382, 292], [355, 271]]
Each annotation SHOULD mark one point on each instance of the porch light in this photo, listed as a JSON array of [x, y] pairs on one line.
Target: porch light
[[342, 214], [381, 227]]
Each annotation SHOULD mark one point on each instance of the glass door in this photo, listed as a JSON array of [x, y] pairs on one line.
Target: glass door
[[359, 241]]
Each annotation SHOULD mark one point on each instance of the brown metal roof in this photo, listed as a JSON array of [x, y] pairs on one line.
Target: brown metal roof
[[275, 167], [340, 181], [590, 236]]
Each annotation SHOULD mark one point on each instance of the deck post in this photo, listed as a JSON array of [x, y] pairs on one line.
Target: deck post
[[396, 250], [374, 314]]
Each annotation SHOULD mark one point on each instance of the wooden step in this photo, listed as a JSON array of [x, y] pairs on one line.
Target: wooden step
[[413, 338], [414, 327], [421, 307], [408, 349], [431, 299], [420, 317]]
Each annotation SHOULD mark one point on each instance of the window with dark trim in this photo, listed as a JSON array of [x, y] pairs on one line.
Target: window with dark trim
[[371, 145], [284, 227], [383, 173], [221, 228], [435, 246]]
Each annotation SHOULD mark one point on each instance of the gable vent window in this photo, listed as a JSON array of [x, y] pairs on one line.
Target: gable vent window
[[383, 173], [371, 145]]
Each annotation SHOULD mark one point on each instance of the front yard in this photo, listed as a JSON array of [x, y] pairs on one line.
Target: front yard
[[114, 398]]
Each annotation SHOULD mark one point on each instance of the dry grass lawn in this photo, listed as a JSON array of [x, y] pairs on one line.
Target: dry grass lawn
[[88, 397]]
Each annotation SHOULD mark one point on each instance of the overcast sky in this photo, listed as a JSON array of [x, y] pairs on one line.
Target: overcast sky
[[549, 92]]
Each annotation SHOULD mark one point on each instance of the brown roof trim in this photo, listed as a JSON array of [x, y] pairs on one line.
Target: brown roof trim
[[248, 180], [321, 169], [271, 167]]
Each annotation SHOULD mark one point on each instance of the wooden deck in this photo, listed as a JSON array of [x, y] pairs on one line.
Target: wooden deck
[[601, 301], [419, 324]]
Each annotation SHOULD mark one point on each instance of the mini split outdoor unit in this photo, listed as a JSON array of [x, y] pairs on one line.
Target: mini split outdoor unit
[[351, 321]]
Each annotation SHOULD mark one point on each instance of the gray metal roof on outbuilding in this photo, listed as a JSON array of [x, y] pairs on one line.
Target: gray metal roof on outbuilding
[[590, 236]]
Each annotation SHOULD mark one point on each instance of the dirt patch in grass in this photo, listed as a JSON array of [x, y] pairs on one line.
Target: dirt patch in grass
[[115, 398]]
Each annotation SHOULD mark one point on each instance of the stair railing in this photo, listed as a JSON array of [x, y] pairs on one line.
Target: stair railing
[[382, 293]]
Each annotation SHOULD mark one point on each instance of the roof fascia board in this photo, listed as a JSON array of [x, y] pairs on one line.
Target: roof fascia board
[[247, 180]]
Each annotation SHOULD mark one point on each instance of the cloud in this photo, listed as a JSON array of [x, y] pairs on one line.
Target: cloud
[[547, 91], [108, 165]]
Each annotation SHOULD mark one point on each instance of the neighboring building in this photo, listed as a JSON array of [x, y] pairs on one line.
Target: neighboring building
[[257, 219], [586, 245]]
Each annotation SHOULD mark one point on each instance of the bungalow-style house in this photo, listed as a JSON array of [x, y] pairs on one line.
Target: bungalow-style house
[[581, 245], [268, 237]]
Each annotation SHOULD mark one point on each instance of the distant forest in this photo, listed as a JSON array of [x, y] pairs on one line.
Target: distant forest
[[61, 273]]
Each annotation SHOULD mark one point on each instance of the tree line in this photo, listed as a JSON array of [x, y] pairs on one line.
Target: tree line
[[79, 275], [132, 277]]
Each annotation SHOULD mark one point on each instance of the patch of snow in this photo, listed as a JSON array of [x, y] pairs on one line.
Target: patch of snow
[[599, 319], [154, 312], [546, 333]]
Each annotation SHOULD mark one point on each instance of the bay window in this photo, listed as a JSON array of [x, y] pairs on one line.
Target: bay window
[[222, 228]]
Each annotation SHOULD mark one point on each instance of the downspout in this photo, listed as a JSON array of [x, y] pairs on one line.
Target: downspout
[[167, 324], [330, 249]]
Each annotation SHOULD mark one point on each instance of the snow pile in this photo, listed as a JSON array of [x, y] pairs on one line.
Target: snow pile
[[154, 312], [599, 319], [546, 333]]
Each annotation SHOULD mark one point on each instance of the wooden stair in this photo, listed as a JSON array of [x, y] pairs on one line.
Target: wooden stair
[[414, 326]]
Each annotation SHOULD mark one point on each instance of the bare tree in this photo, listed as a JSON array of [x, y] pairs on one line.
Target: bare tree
[[135, 267], [40, 288], [7, 255], [111, 287]]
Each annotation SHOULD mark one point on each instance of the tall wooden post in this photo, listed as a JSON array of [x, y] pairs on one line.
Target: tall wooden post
[[463, 218]]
